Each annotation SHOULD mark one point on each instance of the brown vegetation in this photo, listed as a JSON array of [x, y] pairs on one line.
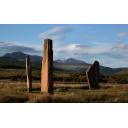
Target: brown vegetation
[[15, 92], [68, 88]]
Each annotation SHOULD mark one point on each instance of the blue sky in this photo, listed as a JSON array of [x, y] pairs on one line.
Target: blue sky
[[106, 43]]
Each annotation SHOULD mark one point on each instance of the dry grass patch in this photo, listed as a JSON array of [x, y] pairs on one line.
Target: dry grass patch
[[15, 92]]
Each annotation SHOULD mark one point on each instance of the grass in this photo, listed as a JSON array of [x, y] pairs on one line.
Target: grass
[[68, 88], [67, 77], [18, 74], [15, 92]]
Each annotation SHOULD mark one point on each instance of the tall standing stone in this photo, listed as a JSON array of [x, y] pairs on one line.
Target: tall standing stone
[[28, 74], [47, 68], [92, 74]]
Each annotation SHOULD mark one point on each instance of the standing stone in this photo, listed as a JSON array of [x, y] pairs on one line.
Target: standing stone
[[93, 75], [47, 68], [28, 74]]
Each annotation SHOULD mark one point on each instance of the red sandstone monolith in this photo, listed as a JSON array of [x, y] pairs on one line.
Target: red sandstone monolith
[[47, 68], [92, 74], [28, 74]]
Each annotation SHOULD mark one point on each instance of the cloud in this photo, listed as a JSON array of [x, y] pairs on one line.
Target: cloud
[[13, 47], [108, 54], [112, 55], [120, 46], [119, 50], [122, 34], [117, 55], [56, 32], [58, 35], [80, 49]]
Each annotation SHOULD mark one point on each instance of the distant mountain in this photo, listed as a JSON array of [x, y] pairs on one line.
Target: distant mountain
[[17, 60], [123, 72], [21, 56], [15, 55], [110, 71], [70, 61], [70, 65], [74, 65]]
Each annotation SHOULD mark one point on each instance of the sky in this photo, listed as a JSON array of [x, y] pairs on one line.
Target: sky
[[106, 43]]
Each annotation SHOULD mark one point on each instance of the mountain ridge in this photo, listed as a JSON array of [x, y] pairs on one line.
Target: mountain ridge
[[70, 61], [70, 64]]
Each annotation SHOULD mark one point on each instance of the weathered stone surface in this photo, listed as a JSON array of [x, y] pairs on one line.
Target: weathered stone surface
[[28, 74], [47, 68], [92, 74]]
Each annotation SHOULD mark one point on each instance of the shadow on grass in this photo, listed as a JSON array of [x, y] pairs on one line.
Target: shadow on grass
[[52, 99], [36, 90], [14, 99], [58, 99], [104, 98], [64, 89]]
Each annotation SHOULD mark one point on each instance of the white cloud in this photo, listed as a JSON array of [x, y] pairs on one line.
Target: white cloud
[[107, 54], [7, 46], [120, 51], [120, 46], [112, 55], [122, 34], [55, 32], [79, 49]]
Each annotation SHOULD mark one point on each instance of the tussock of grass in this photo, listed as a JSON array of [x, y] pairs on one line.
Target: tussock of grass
[[14, 99], [63, 93]]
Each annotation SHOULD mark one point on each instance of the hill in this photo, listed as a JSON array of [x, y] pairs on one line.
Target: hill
[[16, 60], [123, 72]]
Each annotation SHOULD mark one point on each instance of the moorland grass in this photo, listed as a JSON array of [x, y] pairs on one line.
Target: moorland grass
[[15, 92]]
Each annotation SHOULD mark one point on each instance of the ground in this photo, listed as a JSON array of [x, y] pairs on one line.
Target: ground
[[15, 92]]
